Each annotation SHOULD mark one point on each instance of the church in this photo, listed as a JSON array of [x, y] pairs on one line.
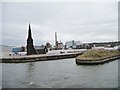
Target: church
[[30, 47]]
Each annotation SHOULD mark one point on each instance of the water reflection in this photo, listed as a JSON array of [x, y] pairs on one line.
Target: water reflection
[[0, 76], [60, 74], [30, 75], [30, 71]]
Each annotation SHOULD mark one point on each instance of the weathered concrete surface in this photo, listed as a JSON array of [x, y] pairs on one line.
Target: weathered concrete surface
[[80, 61], [32, 58]]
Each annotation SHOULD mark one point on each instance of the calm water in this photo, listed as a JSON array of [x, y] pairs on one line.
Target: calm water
[[59, 74]]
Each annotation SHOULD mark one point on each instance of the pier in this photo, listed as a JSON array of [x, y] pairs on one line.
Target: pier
[[41, 57], [96, 62], [93, 57]]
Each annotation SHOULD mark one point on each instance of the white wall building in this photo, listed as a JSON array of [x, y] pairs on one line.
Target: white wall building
[[72, 44]]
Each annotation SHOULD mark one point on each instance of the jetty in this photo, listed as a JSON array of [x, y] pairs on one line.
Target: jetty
[[94, 57], [39, 57]]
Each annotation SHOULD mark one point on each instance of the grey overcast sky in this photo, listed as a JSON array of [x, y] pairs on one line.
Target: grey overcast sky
[[80, 21]]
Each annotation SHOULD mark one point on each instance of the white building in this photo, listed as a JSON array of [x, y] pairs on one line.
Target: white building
[[60, 45], [72, 44]]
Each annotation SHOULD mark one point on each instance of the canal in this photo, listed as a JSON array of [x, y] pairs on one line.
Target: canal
[[59, 74]]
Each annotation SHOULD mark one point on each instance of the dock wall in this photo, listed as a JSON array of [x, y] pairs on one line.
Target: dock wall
[[95, 62], [37, 58]]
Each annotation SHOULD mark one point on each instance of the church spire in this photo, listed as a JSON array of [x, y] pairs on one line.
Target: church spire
[[30, 47], [29, 32]]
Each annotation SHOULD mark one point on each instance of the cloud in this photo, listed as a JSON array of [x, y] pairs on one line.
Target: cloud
[[83, 21]]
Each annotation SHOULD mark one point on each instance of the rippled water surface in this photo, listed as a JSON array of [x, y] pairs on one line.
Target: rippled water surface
[[60, 74]]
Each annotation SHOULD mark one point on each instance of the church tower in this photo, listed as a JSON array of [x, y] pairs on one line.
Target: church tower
[[30, 47]]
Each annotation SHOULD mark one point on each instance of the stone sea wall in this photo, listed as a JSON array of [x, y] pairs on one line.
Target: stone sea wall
[[33, 58], [80, 61]]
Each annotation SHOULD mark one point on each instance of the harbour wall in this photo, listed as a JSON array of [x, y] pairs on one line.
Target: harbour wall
[[95, 62], [33, 58]]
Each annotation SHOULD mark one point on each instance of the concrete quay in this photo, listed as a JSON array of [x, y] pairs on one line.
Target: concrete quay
[[40, 57], [80, 61]]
